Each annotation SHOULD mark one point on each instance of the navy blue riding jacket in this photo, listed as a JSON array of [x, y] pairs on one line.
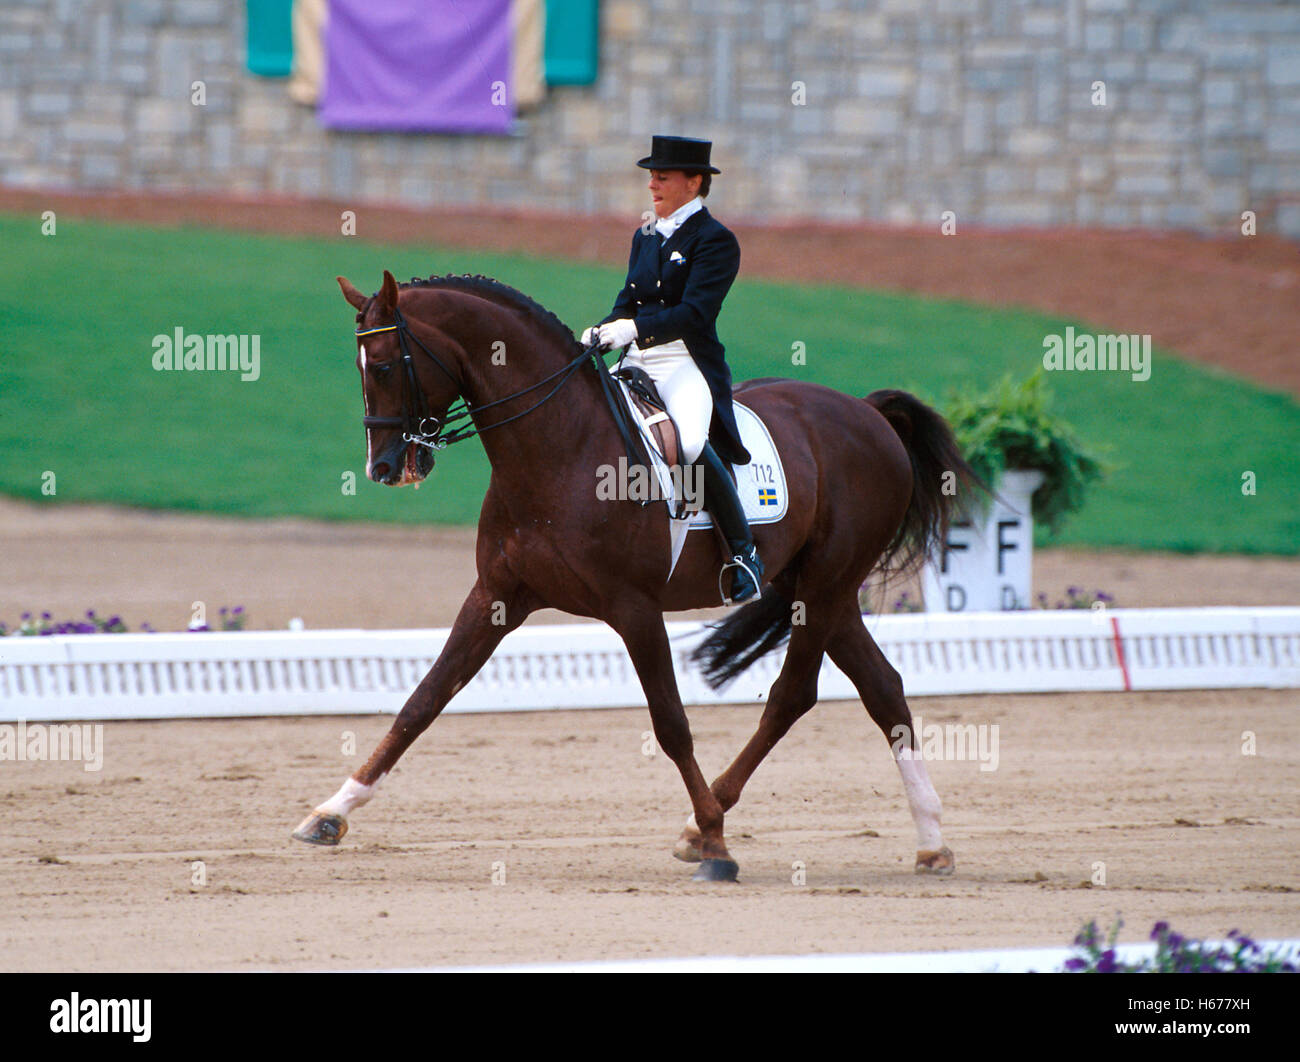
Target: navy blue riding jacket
[[674, 290]]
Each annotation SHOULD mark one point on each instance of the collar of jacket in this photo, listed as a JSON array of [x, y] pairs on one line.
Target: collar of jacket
[[667, 226], [685, 228]]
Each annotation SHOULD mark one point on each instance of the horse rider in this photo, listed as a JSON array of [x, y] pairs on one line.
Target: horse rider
[[678, 274]]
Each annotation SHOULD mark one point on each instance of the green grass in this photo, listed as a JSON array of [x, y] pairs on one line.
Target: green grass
[[79, 397]]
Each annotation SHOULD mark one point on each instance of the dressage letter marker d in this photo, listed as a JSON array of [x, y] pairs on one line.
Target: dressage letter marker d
[[986, 565]]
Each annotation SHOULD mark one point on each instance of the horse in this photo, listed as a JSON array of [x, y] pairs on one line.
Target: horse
[[872, 484]]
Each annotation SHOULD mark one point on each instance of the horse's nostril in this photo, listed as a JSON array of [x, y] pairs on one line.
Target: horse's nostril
[[381, 470]]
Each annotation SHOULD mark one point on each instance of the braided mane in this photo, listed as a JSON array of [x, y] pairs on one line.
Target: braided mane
[[502, 295]]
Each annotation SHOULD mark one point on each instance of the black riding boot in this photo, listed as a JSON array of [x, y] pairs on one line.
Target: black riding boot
[[723, 504]]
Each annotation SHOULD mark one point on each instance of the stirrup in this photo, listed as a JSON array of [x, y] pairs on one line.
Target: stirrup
[[742, 563]]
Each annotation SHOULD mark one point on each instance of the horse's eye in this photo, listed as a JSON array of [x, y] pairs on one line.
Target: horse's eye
[[381, 370]]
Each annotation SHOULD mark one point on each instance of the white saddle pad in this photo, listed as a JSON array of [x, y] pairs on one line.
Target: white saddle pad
[[760, 484]]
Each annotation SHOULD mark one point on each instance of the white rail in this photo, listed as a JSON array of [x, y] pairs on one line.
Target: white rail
[[155, 676], [1002, 960]]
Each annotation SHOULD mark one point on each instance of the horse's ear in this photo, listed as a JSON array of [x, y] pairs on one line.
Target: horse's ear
[[350, 293], [388, 293]]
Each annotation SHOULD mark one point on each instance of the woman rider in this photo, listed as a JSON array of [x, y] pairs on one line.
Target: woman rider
[[677, 276]]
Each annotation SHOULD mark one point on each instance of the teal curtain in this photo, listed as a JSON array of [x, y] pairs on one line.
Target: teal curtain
[[270, 37], [572, 41]]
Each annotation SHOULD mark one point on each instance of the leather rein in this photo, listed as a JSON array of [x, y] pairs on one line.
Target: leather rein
[[421, 427]]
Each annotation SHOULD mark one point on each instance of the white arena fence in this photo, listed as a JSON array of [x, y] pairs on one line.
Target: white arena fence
[[255, 673], [1003, 960]]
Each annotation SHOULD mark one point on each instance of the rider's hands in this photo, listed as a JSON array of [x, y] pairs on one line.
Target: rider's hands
[[617, 334], [589, 336]]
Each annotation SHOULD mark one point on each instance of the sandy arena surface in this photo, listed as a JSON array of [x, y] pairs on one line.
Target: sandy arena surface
[[97, 868]]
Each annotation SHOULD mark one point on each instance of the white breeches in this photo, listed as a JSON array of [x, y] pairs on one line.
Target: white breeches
[[683, 387]]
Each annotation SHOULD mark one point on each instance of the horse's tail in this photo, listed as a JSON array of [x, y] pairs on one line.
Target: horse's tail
[[765, 624], [748, 633], [942, 482]]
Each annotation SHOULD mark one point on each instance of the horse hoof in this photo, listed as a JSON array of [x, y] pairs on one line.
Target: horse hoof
[[321, 829], [716, 870], [940, 863]]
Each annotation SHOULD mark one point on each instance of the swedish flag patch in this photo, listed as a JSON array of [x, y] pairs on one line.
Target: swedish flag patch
[[767, 496]]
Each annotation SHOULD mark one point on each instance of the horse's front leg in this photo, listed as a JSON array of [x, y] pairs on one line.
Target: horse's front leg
[[477, 632], [647, 644]]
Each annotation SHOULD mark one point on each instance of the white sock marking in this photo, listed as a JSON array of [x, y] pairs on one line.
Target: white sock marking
[[922, 799], [351, 795]]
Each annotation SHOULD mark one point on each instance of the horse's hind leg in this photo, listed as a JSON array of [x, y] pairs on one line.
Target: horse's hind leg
[[855, 652], [474, 636]]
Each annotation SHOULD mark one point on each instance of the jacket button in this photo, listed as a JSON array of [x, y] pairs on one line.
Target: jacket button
[[656, 283], [633, 285]]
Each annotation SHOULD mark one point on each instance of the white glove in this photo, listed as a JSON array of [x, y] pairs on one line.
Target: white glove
[[589, 336], [617, 334]]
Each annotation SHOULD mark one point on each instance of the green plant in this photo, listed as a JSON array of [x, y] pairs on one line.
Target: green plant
[[1010, 427]]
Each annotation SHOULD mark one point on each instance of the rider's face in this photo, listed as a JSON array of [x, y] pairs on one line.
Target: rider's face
[[671, 189]]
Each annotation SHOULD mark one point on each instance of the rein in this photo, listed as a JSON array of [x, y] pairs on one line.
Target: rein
[[416, 417]]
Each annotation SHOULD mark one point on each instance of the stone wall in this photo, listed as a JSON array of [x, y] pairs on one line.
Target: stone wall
[[882, 110]]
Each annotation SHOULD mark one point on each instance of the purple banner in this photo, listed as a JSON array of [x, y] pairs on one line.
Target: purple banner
[[440, 66]]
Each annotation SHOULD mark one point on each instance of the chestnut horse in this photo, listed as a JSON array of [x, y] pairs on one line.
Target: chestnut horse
[[867, 487]]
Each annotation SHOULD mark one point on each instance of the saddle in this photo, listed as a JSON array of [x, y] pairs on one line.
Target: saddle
[[655, 411]]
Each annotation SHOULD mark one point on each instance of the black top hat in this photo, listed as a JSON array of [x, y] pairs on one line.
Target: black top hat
[[679, 153]]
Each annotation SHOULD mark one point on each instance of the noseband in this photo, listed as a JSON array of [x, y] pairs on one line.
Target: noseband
[[420, 426], [417, 423]]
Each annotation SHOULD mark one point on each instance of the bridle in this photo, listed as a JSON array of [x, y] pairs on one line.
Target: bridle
[[420, 426]]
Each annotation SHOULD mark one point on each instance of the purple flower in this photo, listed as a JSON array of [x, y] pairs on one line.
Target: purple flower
[[1075, 965]]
